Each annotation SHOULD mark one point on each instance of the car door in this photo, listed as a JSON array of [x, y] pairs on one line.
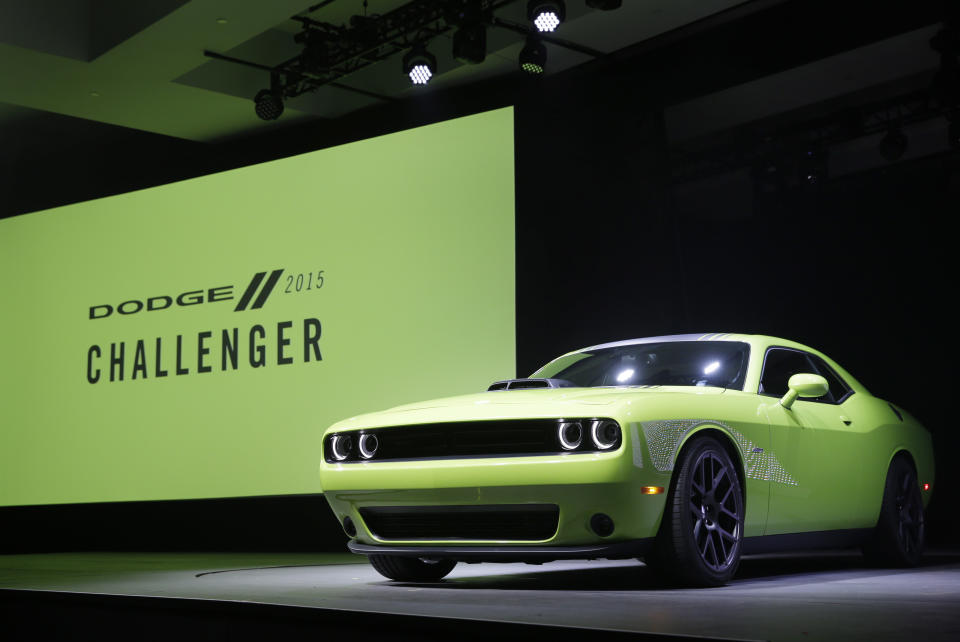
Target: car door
[[811, 441]]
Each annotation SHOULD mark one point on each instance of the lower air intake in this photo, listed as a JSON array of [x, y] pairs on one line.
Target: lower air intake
[[520, 522]]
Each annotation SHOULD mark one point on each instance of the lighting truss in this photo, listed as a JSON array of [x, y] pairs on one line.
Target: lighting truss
[[332, 52], [753, 144]]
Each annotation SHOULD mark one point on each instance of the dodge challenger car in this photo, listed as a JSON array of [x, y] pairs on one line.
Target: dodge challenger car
[[684, 451]]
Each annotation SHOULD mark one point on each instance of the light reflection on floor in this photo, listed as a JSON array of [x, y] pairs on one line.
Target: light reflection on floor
[[795, 597]]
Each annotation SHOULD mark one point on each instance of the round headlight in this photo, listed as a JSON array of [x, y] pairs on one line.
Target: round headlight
[[368, 445], [340, 446], [605, 434], [570, 434]]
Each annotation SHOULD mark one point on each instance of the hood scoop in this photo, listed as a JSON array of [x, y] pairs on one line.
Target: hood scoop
[[529, 384]]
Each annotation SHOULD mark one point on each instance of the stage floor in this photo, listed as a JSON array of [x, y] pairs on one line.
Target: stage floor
[[826, 596]]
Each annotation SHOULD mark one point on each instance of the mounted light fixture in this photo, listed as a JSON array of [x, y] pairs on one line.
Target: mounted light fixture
[[419, 65], [268, 103], [812, 168], [470, 38], [546, 15], [470, 43], [533, 56], [894, 144]]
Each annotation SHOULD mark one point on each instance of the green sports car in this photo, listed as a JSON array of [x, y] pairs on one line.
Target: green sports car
[[685, 451]]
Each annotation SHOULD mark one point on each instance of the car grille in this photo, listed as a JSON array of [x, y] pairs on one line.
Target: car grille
[[517, 522], [467, 439]]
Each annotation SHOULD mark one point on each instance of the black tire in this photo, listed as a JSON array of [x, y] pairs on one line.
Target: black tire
[[410, 569], [898, 538], [701, 534]]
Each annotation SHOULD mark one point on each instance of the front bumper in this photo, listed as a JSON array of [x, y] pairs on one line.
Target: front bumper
[[580, 485]]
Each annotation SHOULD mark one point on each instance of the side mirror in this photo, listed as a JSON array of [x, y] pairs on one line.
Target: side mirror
[[804, 385]]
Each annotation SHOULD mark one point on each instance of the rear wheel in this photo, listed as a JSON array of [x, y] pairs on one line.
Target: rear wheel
[[702, 530], [411, 569], [899, 535]]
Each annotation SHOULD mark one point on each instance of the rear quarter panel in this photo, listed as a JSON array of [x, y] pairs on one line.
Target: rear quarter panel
[[887, 435]]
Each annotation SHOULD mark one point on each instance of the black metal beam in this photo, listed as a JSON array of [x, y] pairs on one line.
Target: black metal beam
[[256, 65], [236, 61]]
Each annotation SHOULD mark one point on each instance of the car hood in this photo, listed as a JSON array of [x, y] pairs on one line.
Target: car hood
[[521, 404]]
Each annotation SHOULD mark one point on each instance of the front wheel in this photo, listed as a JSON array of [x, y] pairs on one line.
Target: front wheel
[[411, 569], [899, 535], [702, 530]]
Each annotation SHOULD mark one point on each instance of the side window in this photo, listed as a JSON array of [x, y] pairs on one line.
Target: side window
[[782, 363], [779, 365], [838, 387]]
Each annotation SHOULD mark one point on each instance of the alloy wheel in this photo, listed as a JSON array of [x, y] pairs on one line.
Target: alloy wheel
[[717, 511], [909, 513]]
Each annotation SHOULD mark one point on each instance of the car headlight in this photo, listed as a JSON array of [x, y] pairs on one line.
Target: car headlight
[[570, 434], [368, 445], [605, 434], [341, 446]]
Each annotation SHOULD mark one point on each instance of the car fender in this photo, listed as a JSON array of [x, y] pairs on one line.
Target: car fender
[[752, 465], [730, 441]]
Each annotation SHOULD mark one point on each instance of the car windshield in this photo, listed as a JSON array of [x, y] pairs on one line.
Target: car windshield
[[670, 363]]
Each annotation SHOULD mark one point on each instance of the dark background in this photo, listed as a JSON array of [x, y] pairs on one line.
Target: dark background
[[616, 238]]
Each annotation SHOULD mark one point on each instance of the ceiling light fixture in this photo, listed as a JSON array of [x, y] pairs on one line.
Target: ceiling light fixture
[[268, 103], [470, 38], [533, 56], [813, 167], [419, 65], [894, 144], [546, 16], [470, 44]]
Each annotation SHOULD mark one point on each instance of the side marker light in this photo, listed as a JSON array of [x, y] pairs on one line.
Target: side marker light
[[651, 490]]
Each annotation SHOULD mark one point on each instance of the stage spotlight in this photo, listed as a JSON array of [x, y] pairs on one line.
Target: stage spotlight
[[813, 167], [470, 43], [546, 16], [604, 5], [420, 65], [268, 104], [533, 56], [893, 144]]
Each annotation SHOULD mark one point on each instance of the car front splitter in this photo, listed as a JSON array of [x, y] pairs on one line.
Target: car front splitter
[[531, 554]]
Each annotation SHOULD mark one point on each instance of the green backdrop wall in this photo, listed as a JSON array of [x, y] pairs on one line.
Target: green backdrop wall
[[193, 340]]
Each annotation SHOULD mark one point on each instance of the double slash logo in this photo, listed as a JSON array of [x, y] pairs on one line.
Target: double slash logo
[[252, 289]]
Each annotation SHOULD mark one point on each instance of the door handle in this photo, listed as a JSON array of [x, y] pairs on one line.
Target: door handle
[[846, 420]]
